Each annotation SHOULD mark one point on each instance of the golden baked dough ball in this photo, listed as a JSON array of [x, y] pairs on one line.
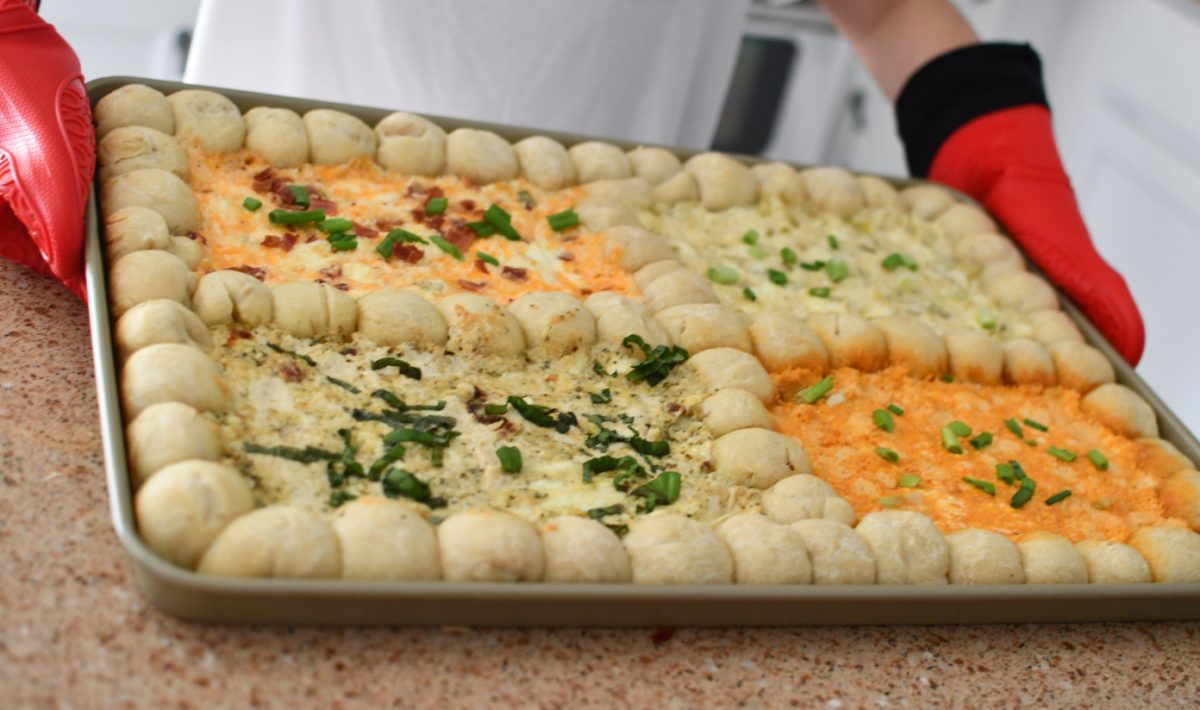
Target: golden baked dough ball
[[634, 193], [149, 275], [305, 309], [134, 228], [159, 321], [1180, 496], [135, 148], [983, 557], [277, 135], [480, 156], [696, 327], [410, 144], [167, 433], [783, 341], [555, 324], [804, 496], [646, 275], [1051, 559], [723, 182], [839, 555], [927, 201], [675, 288], [276, 541], [879, 193], [618, 316], [391, 318], [1173, 553], [155, 188], [185, 506], [335, 137], [1022, 291], [207, 118], [758, 458], [577, 549], [1027, 362], [765, 552], [638, 247], [852, 341], [1160, 457], [779, 181], [731, 409], [596, 160], [983, 249], [188, 250], [914, 346], [673, 549], [654, 165], [1079, 366], [832, 189], [477, 324], [489, 546], [385, 539], [233, 297], [545, 162], [1052, 325], [134, 105], [169, 372], [1113, 563], [1122, 410], [727, 367], [681, 187], [908, 547], [974, 357], [960, 219]]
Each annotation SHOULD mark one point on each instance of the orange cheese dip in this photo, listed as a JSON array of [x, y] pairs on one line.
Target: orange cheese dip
[[376, 201], [840, 436]]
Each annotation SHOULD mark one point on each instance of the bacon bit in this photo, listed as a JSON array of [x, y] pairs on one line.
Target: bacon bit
[[513, 273], [674, 407], [365, 231], [415, 189], [566, 256], [291, 372], [435, 221], [279, 189], [311, 238], [472, 285], [256, 271], [585, 291], [342, 287], [266, 173], [236, 335], [385, 225], [408, 253], [349, 352], [333, 273], [286, 242], [460, 238], [418, 216], [435, 191], [476, 404], [196, 237], [481, 265], [468, 205], [552, 378], [320, 203], [707, 467]]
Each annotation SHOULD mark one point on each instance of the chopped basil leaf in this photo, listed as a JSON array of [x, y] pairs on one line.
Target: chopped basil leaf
[[833, 241], [749, 294], [392, 455], [284, 351], [604, 397], [405, 369], [812, 265], [838, 270], [658, 362], [777, 277], [308, 454], [495, 410], [663, 490], [400, 483], [820, 292], [338, 498], [788, 256], [510, 459], [750, 237], [650, 448]]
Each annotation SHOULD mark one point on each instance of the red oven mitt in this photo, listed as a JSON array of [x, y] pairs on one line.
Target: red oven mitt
[[977, 119], [47, 147]]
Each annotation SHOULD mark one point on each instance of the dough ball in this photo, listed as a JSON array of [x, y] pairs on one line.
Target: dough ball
[[1113, 563], [410, 144], [852, 341], [879, 193], [908, 547], [169, 372], [384, 539], [134, 105], [758, 458], [311, 310], [838, 554], [994, 270], [477, 324], [183, 508], [960, 219], [391, 318], [233, 297], [596, 160], [974, 357], [723, 181], [981, 249], [765, 552], [143, 276], [581, 550], [1022, 291], [654, 165], [780, 181], [480, 156], [783, 341], [983, 557], [914, 346], [618, 316], [598, 214], [1027, 362], [701, 326], [555, 323], [728, 367], [1052, 325], [1180, 496], [681, 187], [644, 276], [135, 228], [135, 148], [545, 162], [638, 247], [927, 201], [188, 250], [730, 409], [277, 135], [159, 321], [335, 137], [1122, 410], [672, 549], [275, 542], [803, 497], [158, 189], [208, 118], [1080, 367], [832, 189], [1051, 559], [167, 433], [489, 546], [677, 287], [634, 193], [1173, 553], [1160, 457]]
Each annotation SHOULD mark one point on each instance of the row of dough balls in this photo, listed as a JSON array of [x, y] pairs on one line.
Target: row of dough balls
[[200, 515]]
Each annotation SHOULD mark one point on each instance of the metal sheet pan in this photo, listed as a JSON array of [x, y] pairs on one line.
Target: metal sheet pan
[[191, 596]]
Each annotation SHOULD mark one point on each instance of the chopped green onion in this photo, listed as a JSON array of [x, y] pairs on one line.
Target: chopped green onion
[[723, 275], [789, 257], [1005, 473], [290, 217], [833, 241], [837, 269], [500, 220], [252, 203], [436, 205], [812, 265], [947, 377], [446, 246], [393, 237], [950, 440], [817, 391], [1024, 493], [487, 258], [1018, 471], [299, 195], [983, 439], [1036, 425], [481, 228], [896, 409], [986, 319], [985, 486], [960, 428], [340, 241], [1098, 460], [510, 459], [891, 501], [495, 410], [887, 454], [1057, 497], [776, 277], [908, 481], [820, 292], [750, 237], [1061, 454], [750, 294], [337, 224], [883, 420], [1014, 427], [895, 260], [563, 220]]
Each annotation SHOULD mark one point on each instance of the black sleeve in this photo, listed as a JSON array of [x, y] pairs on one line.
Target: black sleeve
[[961, 85]]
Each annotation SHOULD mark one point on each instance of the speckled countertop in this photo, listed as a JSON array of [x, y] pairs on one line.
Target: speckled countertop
[[75, 632]]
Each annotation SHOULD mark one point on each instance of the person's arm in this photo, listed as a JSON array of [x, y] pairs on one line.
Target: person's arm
[[975, 117]]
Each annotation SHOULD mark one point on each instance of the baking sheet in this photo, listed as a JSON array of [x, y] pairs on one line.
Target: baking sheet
[[192, 596]]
